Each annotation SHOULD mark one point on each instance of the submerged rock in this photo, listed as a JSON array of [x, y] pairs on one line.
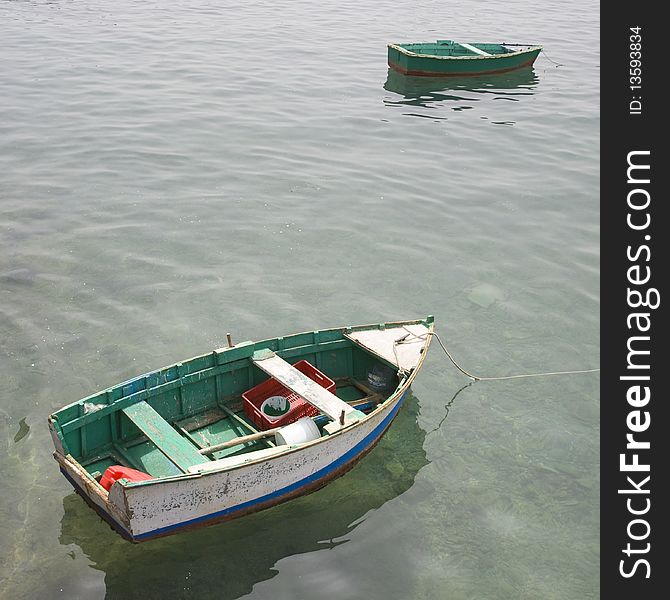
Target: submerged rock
[[18, 276], [485, 295], [395, 468]]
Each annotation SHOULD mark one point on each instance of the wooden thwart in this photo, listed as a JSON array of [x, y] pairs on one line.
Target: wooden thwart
[[473, 49], [179, 450], [302, 385], [244, 439]]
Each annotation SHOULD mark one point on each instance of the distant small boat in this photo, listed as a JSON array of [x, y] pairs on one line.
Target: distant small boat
[[194, 443], [446, 57]]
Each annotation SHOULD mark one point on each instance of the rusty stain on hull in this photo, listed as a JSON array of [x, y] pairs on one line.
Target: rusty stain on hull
[[417, 73]]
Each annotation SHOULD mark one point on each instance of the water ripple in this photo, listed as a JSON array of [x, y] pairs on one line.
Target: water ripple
[[174, 171]]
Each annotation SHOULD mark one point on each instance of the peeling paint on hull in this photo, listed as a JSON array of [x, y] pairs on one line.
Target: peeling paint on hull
[[282, 478], [101, 512], [300, 488], [181, 516]]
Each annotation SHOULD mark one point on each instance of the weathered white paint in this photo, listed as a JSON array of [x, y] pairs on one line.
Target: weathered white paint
[[54, 436], [230, 461], [400, 346], [113, 507], [168, 503]]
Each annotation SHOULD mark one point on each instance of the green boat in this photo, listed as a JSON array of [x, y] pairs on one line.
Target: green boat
[[449, 58]]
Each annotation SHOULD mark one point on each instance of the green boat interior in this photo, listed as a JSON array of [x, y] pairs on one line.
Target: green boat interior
[[451, 48], [159, 423]]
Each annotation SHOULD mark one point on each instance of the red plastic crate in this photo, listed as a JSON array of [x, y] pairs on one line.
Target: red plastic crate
[[115, 472], [253, 398]]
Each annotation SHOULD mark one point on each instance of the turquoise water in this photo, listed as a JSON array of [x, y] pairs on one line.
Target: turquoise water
[[174, 171]]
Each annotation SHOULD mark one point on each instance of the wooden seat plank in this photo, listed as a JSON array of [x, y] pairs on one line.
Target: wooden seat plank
[[179, 450], [473, 49], [297, 382]]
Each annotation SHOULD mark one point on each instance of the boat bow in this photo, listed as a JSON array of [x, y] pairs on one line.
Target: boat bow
[[402, 345]]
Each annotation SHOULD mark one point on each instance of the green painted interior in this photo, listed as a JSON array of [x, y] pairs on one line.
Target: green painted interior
[[176, 447], [157, 422], [222, 431], [144, 456], [451, 48], [349, 393]]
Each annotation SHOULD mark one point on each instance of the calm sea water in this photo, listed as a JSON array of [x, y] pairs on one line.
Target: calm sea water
[[171, 171]]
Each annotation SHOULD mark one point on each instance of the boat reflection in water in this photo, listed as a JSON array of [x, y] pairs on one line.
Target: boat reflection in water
[[423, 91], [227, 560]]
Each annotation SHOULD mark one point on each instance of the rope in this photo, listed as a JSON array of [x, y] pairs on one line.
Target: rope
[[549, 59], [402, 373], [541, 51], [447, 408], [477, 377]]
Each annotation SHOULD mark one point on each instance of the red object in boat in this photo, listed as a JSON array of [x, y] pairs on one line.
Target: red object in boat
[[116, 472], [253, 398]]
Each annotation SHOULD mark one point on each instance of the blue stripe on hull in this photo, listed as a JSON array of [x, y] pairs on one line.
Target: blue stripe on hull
[[347, 457]]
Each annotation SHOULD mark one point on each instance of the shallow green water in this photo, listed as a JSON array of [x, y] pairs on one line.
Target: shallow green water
[[174, 171]]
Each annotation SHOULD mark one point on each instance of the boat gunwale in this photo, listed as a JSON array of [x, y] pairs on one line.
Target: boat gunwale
[[54, 415], [399, 391], [402, 387], [406, 52]]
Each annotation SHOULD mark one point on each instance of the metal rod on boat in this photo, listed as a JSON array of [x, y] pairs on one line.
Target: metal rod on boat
[[239, 440], [267, 433], [230, 340]]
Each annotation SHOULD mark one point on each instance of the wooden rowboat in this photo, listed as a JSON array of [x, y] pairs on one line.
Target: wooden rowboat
[[446, 57], [188, 450]]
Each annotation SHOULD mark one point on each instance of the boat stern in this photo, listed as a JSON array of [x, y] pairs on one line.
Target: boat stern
[[397, 58], [55, 435], [111, 506]]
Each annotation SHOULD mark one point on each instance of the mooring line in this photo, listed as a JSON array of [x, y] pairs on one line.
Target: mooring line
[[541, 51], [549, 59], [447, 408], [477, 377]]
